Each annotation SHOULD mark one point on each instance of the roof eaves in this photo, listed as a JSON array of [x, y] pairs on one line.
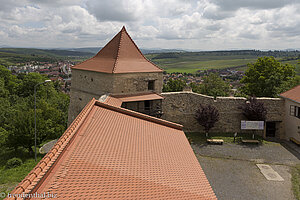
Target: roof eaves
[[43, 168], [74, 66], [140, 115], [137, 94], [290, 99]]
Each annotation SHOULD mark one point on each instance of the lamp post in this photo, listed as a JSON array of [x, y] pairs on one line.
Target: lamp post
[[46, 81]]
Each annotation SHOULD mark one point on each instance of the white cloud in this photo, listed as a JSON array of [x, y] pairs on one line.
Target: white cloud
[[202, 24]]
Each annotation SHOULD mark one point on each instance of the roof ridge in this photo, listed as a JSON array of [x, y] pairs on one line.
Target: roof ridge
[[96, 53], [119, 46], [36, 175], [140, 115], [140, 50]]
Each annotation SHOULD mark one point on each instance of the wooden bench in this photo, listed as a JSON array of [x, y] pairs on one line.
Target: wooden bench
[[295, 141], [215, 141], [250, 141]]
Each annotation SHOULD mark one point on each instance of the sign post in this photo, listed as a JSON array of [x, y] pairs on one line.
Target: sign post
[[252, 125]]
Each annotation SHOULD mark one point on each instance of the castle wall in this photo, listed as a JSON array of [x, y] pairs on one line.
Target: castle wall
[[131, 83], [85, 86], [89, 84], [180, 107]]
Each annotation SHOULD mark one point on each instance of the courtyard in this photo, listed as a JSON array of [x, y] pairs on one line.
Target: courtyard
[[233, 174]]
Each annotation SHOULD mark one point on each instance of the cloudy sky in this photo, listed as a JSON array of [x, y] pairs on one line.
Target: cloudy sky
[[185, 24]]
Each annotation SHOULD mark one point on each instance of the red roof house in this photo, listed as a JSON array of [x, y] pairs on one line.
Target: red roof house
[[292, 94]]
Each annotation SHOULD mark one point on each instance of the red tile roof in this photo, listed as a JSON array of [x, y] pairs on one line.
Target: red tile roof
[[113, 101], [292, 94], [117, 100], [114, 153], [120, 55], [139, 97]]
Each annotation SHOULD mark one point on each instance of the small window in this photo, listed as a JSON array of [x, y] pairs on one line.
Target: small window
[[151, 85], [292, 110], [147, 105], [295, 111]]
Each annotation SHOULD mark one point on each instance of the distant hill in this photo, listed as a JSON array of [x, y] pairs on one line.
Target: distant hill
[[45, 52], [172, 60], [11, 56], [95, 50]]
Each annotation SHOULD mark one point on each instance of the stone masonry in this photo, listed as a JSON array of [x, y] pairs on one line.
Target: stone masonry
[[180, 107], [89, 84]]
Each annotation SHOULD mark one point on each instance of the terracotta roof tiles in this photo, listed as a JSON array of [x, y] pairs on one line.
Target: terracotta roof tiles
[[117, 100], [120, 55], [292, 94], [114, 153]]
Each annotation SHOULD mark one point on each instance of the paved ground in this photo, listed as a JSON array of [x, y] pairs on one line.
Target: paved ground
[[232, 172]]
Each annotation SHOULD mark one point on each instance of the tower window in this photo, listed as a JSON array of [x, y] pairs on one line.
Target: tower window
[[151, 85]]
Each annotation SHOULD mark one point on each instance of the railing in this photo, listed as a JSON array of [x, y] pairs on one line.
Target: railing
[[155, 113]]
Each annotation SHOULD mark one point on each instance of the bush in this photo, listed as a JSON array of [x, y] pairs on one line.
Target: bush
[[207, 116], [13, 162]]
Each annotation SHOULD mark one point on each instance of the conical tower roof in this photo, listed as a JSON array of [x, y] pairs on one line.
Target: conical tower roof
[[120, 55]]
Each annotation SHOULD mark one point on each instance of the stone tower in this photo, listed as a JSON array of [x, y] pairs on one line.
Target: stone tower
[[120, 69]]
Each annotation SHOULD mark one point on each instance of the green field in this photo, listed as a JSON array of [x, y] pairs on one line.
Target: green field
[[188, 62], [191, 62], [13, 56]]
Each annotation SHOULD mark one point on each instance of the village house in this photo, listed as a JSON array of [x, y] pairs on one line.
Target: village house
[[292, 114]]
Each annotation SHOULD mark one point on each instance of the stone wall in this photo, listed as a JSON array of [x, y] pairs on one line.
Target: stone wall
[[89, 84], [131, 83], [85, 86], [180, 107]]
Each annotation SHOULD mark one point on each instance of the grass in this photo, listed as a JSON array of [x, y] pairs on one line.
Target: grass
[[199, 138], [192, 62], [9, 178], [296, 181], [192, 66]]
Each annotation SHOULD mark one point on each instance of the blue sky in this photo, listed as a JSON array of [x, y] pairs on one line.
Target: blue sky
[[185, 24]]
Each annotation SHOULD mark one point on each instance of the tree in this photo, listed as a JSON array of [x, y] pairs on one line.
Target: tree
[[17, 110], [266, 77], [254, 110], [174, 85], [207, 116], [212, 85]]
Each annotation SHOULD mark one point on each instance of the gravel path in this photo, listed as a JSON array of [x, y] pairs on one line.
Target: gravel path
[[236, 179], [269, 153], [232, 172]]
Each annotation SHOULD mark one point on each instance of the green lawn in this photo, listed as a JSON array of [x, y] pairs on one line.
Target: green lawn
[[199, 138], [9, 178], [296, 181], [192, 62]]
